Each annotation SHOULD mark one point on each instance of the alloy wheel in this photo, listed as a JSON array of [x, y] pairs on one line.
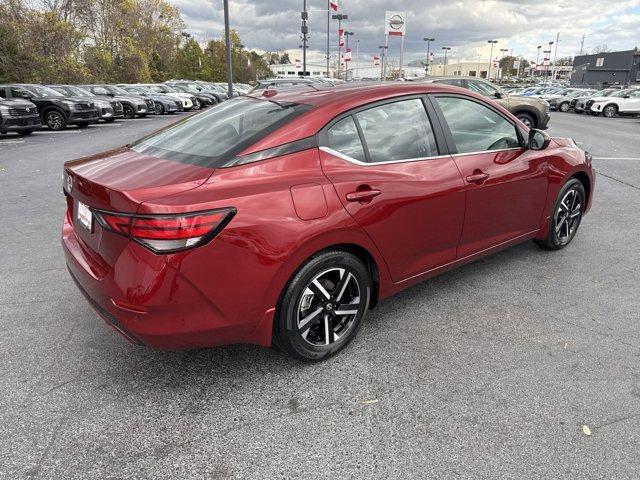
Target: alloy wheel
[[609, 111], [159, 109], [526, 120], [328, 306], [128, 112], [564, 107], [54, 120], [568, 216]]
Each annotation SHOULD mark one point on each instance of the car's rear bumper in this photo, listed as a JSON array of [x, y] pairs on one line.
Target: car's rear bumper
[[149, 301]]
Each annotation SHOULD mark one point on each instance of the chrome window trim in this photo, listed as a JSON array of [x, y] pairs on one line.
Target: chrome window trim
[[409, 160]]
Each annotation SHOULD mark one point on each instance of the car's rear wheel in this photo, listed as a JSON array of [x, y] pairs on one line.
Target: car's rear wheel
[[197, 105], [527, 119], [159, 108], [55, 120], [610, 111], [323, 306], [128, 111], [564, 107], [565, 217]]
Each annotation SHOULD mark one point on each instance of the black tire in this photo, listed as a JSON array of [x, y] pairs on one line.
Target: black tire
[[563, 225], [25, 133], [55, 120], [128, 111], [197, 105], [83, 124], [527, 119], [159, 108], [329, 330], [609, 111], [109, 120], [564, 107]]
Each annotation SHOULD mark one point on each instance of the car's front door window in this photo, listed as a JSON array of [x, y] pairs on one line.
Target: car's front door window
[[397, 131], [475, 127]]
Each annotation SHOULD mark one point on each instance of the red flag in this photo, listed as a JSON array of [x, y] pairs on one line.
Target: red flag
[[341, 37], [376, 61], [333, 4]]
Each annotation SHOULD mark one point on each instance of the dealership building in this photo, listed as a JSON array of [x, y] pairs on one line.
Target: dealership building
[[607, 68]]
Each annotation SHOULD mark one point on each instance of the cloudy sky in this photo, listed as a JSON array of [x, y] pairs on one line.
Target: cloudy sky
[[464, 25]]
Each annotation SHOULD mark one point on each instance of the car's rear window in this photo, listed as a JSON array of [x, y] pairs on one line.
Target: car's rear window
[[213, 138]]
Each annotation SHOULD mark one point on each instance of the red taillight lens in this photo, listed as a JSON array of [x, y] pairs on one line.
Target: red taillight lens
[[168, 233]]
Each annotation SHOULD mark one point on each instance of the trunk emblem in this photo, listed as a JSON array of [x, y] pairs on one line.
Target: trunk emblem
[[69, 183]]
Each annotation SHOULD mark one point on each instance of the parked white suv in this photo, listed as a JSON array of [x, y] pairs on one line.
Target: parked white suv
[[623, 102]]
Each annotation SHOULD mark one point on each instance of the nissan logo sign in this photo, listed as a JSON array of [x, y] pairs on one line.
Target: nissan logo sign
[[396, 22], [69, 184]]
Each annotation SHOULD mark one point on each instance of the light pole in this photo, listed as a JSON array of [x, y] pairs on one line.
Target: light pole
[[357, 73], [346, 48], [383, 51], [555, 55], [304, 29], [446, 49], [492, 42], [537, 58], [227, 41], [340, 17], [428, 40], [545, 67]]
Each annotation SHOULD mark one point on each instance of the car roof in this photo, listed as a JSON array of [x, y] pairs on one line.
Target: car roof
[[330, 101]]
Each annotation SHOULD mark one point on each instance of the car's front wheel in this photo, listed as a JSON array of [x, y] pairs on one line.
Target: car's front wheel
[[323, 306], [527, 119], [55, 120], [197, 105], [609, 111], [128, 111], [566, 216], [564, 107], [159, 108]]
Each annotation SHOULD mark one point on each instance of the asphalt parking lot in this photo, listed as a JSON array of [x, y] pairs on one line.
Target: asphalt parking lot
[[489, 371]]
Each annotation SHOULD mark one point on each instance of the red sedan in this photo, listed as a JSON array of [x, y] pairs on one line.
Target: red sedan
[[284, 217]]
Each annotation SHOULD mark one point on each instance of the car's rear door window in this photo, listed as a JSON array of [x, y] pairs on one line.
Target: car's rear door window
[[343, 137], [397, 131], [476, 127]]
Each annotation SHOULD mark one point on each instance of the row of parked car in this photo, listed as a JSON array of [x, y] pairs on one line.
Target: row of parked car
[[25, 108], [608, 102]]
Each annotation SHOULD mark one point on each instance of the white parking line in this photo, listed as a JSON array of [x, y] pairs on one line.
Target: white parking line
[[3, 142]]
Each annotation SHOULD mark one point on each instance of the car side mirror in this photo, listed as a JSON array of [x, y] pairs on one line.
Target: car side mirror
[[111, 94], [498, 95], [26, 95], [538, 140], [627, 96]]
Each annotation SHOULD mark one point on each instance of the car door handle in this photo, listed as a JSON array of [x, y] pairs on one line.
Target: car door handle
[[478, 176], [362, 195]]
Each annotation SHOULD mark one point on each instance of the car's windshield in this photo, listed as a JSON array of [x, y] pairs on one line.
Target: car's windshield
[[620, 93], [222, 133], [41, 91], [80, 92], [116, 90]]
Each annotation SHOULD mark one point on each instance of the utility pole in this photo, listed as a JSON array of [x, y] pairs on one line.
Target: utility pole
[[227, 41], [537, 59], [357, 74], [305, 31], [492, 42], [428, 40]]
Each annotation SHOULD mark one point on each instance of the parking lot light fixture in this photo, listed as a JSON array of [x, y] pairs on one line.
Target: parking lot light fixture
[[492, 42], [446, 49], [428, 40]]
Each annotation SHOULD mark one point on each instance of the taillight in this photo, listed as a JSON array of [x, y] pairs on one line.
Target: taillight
[[168, 233]]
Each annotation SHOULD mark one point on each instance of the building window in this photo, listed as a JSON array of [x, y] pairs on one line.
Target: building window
[[599, 61], [472, 73]]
